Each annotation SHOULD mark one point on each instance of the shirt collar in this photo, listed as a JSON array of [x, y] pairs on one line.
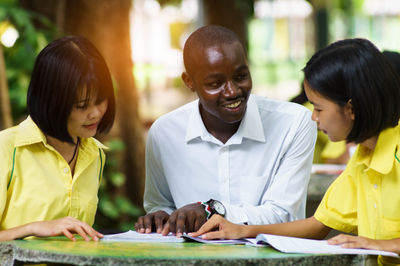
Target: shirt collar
[[381, 159], [29, 133], [251, 126], [196, 127]]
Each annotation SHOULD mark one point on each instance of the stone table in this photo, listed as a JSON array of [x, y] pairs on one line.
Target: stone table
[[59, 250]]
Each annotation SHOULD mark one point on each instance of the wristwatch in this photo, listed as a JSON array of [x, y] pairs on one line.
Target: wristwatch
[[213, 207]]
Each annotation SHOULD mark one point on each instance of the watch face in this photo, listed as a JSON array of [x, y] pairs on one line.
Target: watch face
[[219, 208]]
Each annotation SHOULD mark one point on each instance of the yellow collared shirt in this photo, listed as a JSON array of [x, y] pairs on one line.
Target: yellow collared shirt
[[365, 198], [36, 183]]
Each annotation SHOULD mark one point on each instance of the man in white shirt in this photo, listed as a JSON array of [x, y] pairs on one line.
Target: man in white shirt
[[231, 153]]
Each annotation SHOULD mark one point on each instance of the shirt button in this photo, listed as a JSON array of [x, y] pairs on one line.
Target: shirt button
[[66, 170], [375, 205], [375, 186]]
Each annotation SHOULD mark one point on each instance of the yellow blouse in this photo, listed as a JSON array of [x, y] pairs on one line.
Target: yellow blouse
[[365, 198], [36, 183]]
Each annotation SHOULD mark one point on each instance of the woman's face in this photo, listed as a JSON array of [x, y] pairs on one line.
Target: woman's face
[[334, 120], [83, 121]]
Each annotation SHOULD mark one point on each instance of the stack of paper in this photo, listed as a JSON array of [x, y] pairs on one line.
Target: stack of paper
[[217, 241], [154, 237], [282, 243], [138, 237], [300, 245]]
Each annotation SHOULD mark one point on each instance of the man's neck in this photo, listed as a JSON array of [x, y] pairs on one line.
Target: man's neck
[[219, 129]]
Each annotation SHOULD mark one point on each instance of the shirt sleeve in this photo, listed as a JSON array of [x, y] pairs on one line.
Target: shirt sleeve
[[338, 208], [157, 195], [285, 198]]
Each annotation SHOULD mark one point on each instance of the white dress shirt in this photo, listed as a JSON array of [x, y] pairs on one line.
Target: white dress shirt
[[260, 174]]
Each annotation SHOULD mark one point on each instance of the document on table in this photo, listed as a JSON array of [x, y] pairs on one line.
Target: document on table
[[217, 241], [134, 236], [302, 245]]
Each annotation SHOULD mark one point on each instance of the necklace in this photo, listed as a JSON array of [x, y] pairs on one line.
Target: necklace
[[76, 148]]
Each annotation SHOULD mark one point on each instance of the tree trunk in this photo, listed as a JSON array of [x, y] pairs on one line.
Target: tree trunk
[[106, 24], [321, 21], [232, 14], [5, 109]]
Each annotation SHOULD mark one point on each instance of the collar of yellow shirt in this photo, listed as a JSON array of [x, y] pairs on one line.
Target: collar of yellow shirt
[[29, 133], [384, 154]]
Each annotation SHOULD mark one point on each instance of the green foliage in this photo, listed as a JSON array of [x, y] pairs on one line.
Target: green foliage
[[247, 6], [20, 58], [115, 211]]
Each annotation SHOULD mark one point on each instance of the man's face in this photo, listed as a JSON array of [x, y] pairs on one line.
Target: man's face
[[221, 78]]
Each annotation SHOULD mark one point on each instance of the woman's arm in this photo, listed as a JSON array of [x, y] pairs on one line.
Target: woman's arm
[[306, 228], [65, 226]]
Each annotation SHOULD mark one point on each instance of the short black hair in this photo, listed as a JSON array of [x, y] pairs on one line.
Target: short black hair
[[208, 36], [354, 69], [61, 72], [300, 98], [394, 58]]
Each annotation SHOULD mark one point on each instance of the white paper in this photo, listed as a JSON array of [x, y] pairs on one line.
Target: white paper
[[134, 236], [302, 245], [217, 241]]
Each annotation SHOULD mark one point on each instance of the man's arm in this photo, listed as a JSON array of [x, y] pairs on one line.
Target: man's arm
[[285, 198], [157, 202]]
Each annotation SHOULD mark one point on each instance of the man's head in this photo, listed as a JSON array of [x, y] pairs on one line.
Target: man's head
[[217, 70]]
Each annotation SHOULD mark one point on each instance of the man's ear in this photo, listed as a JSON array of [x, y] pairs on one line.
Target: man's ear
[[350, 109], [187, 80]]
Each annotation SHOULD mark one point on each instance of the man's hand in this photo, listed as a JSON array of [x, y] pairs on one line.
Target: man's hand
[[146, 223], [64, 226], [186, 219]]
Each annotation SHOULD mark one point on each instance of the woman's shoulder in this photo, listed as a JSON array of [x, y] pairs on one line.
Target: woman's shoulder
[[18, 134], [7, 139]]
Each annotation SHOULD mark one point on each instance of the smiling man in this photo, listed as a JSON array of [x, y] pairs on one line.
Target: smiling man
[[242, 156]]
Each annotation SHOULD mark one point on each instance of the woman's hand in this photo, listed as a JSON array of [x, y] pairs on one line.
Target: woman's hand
[[65, 226], [349, 241], [226, 229]]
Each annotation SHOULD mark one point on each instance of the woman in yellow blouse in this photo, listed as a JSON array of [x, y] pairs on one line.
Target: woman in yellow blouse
[[356, 96], [51, 166]]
